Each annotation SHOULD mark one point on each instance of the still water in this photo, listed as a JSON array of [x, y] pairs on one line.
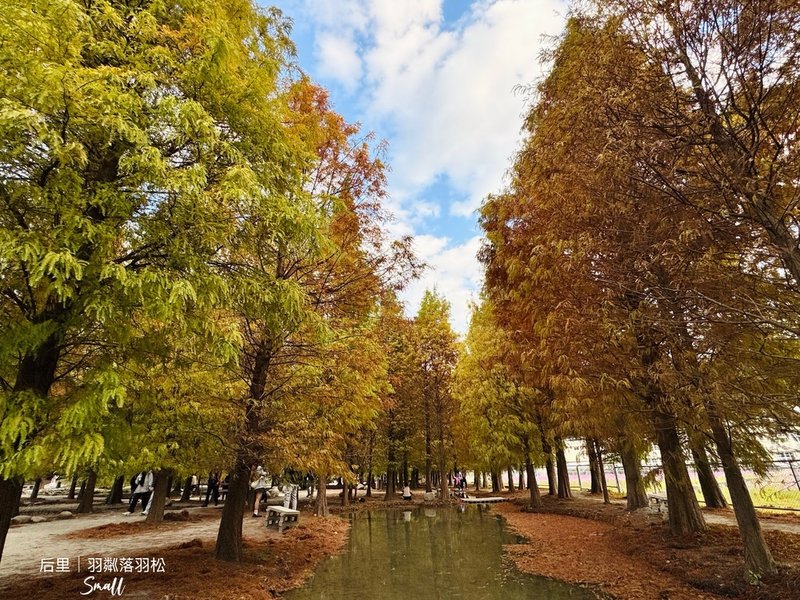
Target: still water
[[453, 553]]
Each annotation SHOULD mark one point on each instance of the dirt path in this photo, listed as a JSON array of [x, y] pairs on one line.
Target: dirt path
[[579, 551], [632, 555], [28, 544], [788, 522], [767, 524]]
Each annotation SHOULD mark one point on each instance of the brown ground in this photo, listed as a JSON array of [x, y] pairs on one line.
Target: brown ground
[[633, 556], [629, 556], [273, 563], [110, 530]]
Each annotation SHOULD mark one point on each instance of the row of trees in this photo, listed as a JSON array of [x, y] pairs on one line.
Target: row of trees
[[192, 264], [193, 274], [643, 266]]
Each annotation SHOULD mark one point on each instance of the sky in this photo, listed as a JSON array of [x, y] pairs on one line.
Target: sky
[[438, 80]]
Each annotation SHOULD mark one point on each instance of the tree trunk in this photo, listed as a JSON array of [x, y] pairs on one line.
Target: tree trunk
[[322, 496], [35, 491], [705, 473], [115, 495], [10, 493], [443, 489], [636, 494], [428, 467], [35, 374], [547, 448], [594, 470], [187, 489], [229, 536], [602, 469], [496, 486], [757, 557], [563, 473], [428, 459], [684, 511], [18, 500], [87, 499], [390, 491], [533, 487], [510, 479], [73, 484], [369, 464], [155, 509]]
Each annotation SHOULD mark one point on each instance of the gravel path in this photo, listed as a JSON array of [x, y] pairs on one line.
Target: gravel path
[[28, 544]]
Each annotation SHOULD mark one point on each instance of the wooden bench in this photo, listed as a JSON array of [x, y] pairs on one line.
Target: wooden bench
[[278, 515]]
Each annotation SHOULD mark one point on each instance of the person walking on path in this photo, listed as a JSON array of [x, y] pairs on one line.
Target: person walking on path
[[260, 486], [144, 485]]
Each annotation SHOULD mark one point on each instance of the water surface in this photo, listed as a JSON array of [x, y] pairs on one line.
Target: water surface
[[453, 553]]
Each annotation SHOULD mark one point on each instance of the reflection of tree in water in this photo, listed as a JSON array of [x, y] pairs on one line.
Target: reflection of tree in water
[[436, 553], [434, 562]]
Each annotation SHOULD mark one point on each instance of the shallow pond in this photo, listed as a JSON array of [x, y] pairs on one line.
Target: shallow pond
[[425, 553]]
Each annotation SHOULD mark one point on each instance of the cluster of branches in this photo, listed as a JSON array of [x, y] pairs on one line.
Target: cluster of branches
[[191, 251], [642, 267]]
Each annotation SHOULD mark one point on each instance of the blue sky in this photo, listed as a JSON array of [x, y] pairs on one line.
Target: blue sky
[[436, 80]]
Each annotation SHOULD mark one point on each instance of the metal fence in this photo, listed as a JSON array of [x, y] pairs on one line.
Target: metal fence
[[779, 489]]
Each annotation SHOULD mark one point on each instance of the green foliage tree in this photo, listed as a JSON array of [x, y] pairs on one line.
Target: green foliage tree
[[438, 352], [122, 152], [499, 408]]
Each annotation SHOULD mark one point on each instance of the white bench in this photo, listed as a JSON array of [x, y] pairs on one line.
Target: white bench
[[659, 500], [277, 515]]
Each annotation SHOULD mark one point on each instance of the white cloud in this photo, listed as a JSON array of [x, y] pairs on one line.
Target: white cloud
[[448, 96], [457, 275], [339, 60], [341, 14], [443, 94]]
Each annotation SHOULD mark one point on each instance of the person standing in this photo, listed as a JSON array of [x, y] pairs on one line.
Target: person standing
[[194, 485], [144, 485], [226, 483], [260, 486], [212, 489]]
